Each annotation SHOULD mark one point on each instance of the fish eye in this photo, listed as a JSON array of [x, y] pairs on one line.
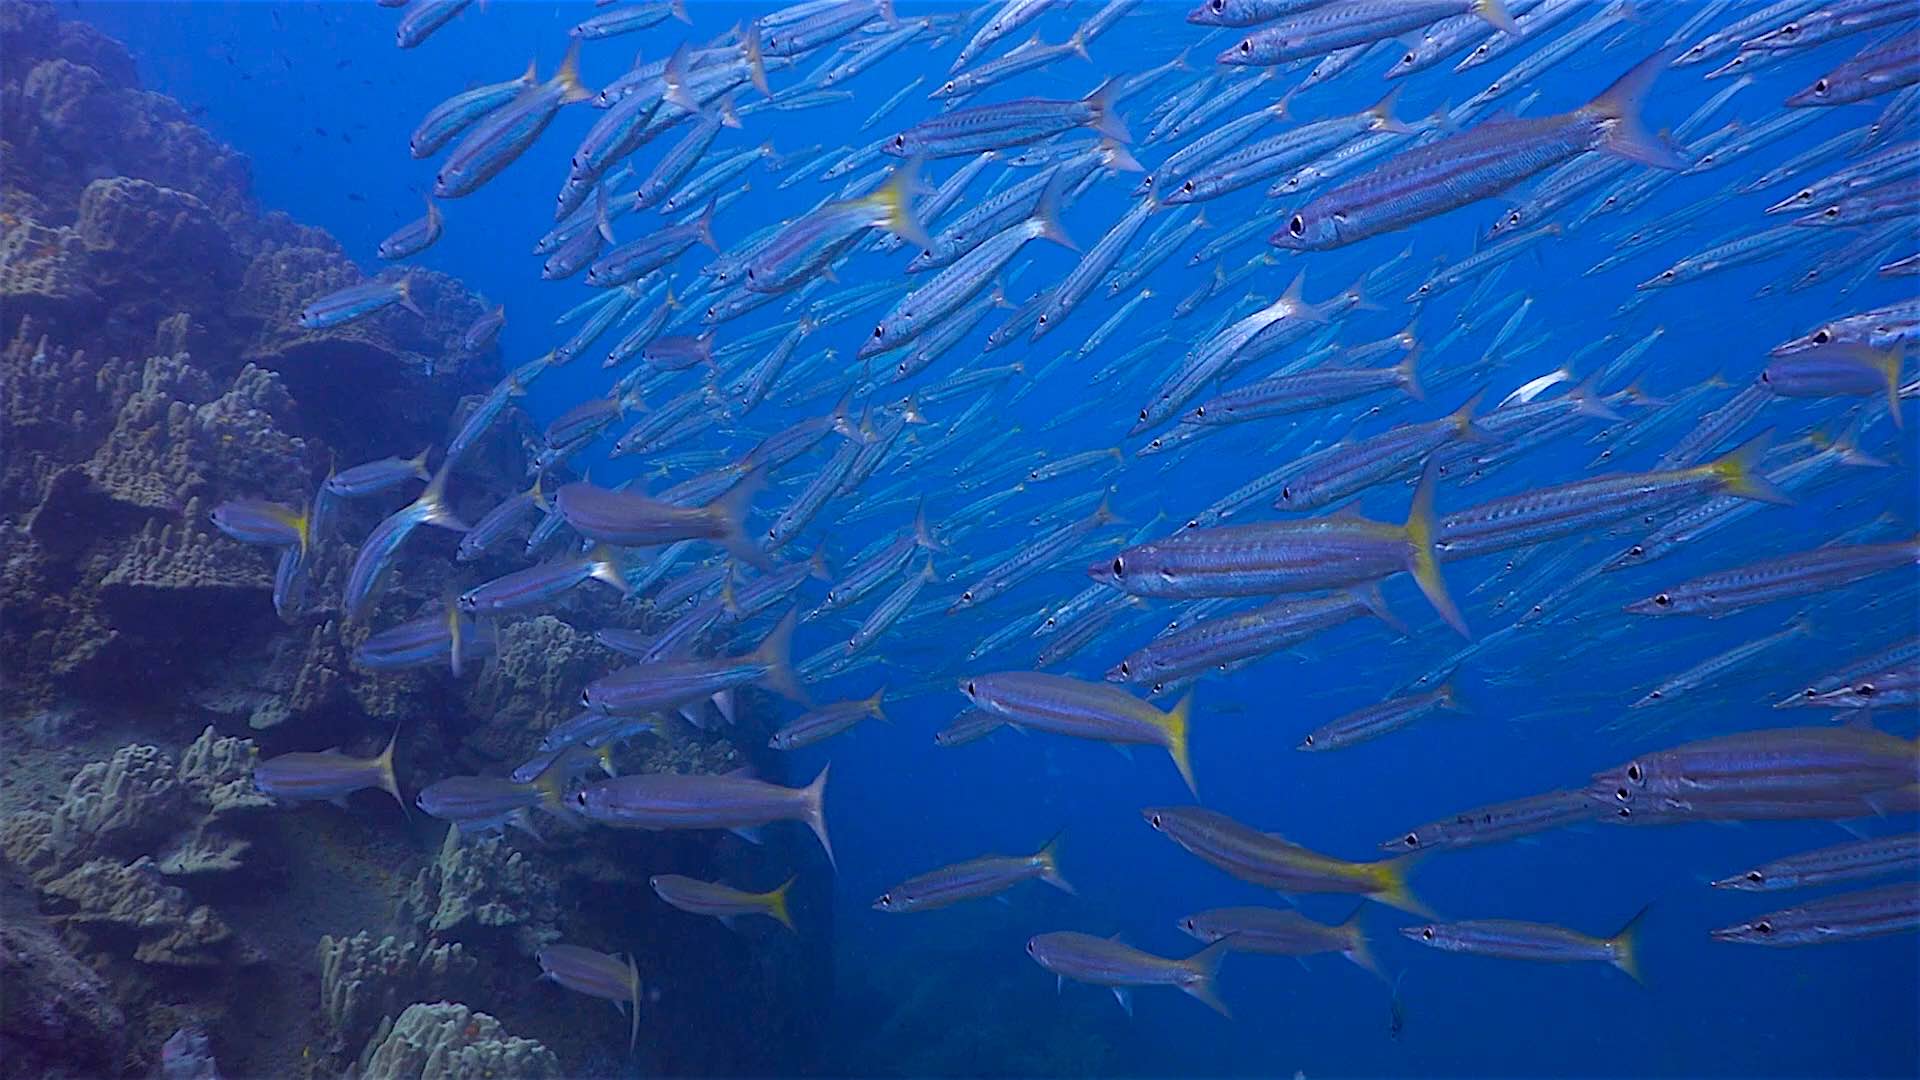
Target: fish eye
[[1413, 839], [1125, 668], [879, 331], [1634, 772], [1663, 600], [1409, 58], [586, 698], [1308, 741], [1865, 689], [1029, 948], [1188, 923], [1426, 933], [1119, 566], [967, 597], [1756, 876], [886, 899], [580, 797], [1765, 377], [1246, 47], [1820, 87], [1654, 694], [1636, 551], [1154, 821], [899, 141], [1200, 411], [1763, 926], [1287, 493], [1187, 187], [1666, 275], [970, 688], [1831, 211], [1218, 6], [1298, 226]]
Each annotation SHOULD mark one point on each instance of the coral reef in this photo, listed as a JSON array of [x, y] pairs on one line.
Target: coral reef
[[448, 1041], [365, 982], [482, 888], [534, 683]]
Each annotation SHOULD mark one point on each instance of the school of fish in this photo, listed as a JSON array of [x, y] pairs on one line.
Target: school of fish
[[845, 477]]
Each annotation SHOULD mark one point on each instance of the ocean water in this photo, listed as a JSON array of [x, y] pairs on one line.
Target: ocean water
[[322, 102]]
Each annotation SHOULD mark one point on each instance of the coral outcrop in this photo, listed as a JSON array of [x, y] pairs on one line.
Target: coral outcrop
[[485, 889], [448, 1041], [366, 981]]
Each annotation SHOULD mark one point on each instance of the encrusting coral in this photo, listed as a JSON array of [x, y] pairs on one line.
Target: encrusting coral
[[365, 981]]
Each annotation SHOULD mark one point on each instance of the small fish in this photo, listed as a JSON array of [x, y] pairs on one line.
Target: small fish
[[414, 237], [1377, 720], [1283, 933], [1889, 909], [1868, 858], [375, 558], [377, 476], [1110, 963], [328, 775], [595, 974], [346, 305], [705, 801], [988, 875], [1271, 862], [827, 721], [720, 901], [257, 521], [537, 586], [1084, 710], [1517, 940]]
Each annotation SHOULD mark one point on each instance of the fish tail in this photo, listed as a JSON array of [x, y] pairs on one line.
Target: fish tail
[[776, 653], [886, 12], [1846, 446], [817, 568], [1359, 949], [1104, 113], [419, 463], [1174, 723], [1626, 946], [1078, 42], [1740, 475], [1447, 696], [777, 902], [1047, 212], [1495, 12], [403, 291], [1463, 421], [1588, 400], [875, 708], [729, 117], [567, 79], [704, 226], [756, 60], [432, 504], [678, 9], [1620, 104], [633, 992], [1203, 967], [1048, 859], [922, 532], [1423, 564], [815, 800], [729, 513], [388, 782], [1410, 375], [1393, 891], [1118, 158], [606, 567], [1383, 115], [1103, 514], [895, 200]]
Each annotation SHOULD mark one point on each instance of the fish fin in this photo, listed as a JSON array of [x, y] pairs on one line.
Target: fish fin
[[432, 503], [1376, 605], [1620, 104], [1447, 696], [1078, 43], [1124, 996], [1410, 376], [388, 783], [606, 567], [1118, 158], [776, 652], [1393, 892], [1740, 475], [1048, 859], [777, 903], [704, 225], [874, 706], [817, 565], [1422, 563], [567, 79], [895, 200], [1626, 945], [922, 532], [633, 980], [1359, 949], [1495, 12], [1203, 968], [1104, 113], [756, 59], [729, 512], [403, 291], [1174, 723], [674, 79], [814, 799], [1383, 117], [1047, 212], [724, 701], [1463, 420], [750, 833], [1587, 399]]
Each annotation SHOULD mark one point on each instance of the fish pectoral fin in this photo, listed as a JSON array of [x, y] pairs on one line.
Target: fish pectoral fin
[[1123, 749], [749, 833], [1125, 997]]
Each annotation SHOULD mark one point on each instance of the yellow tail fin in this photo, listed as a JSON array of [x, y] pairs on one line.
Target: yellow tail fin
[[777, 902], [1422, 562], [1391, 876], [1739, 472], [1174, 723], [1625, 946]]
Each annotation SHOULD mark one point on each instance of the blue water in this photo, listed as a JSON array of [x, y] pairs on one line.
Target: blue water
[[322, 101]]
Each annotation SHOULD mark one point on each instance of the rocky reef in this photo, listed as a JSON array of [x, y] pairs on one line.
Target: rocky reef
[[159, 913]]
